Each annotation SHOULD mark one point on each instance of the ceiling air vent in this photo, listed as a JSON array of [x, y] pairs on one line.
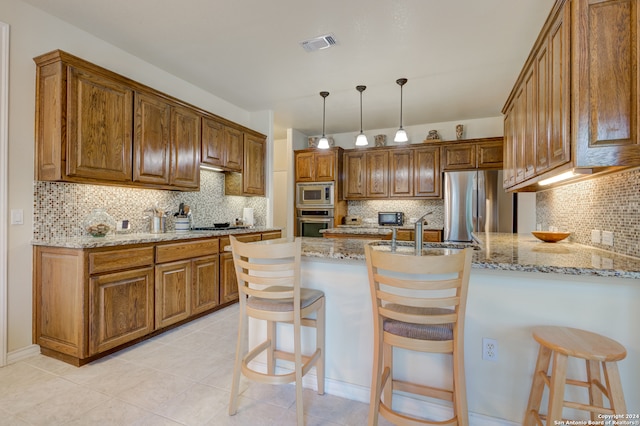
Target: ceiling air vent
[[318, 43]]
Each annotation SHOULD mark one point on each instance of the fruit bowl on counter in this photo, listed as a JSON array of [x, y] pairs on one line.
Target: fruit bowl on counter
[[549, 236]]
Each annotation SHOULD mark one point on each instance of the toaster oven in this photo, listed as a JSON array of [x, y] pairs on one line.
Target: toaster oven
[[390, 218]]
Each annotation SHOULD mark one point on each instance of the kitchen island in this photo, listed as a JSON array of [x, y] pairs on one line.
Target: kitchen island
[[517, 282]]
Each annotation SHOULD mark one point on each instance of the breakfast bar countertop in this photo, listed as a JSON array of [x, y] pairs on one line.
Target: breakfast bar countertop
[[503, 251]]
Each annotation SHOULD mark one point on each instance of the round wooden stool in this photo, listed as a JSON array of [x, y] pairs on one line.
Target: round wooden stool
[[563, 342]]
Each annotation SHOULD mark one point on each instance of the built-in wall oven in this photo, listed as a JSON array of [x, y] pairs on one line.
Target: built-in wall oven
[[314, 208], [312, 220]]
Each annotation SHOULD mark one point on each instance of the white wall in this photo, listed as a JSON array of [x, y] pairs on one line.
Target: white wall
[[33, 33], [476, 128]]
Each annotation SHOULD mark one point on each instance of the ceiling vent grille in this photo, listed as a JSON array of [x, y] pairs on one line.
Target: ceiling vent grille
[[318, 43]]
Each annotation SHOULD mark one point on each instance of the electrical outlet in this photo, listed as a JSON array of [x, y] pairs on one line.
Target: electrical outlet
[[489, 349], [595, 236], [607, 238]]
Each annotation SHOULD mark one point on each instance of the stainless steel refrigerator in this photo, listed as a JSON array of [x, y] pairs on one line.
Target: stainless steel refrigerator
[[474, 201]]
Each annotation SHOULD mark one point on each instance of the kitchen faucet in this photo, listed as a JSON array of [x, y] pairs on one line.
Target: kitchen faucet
[[418, 233]]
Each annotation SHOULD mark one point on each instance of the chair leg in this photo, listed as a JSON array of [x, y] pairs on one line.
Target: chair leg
[[459, 388], [271, 337], [387, 361], [297, 345], [537, 386], [241, 349], [614, 387], [556, 391], [320, 344], [595, 394], [376, 378]]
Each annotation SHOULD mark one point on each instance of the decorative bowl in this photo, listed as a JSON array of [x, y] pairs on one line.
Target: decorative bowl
[[550, 237]]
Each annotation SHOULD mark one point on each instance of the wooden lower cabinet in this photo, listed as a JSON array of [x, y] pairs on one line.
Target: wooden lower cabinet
[[121, 308], [173, 288], [205, 290]]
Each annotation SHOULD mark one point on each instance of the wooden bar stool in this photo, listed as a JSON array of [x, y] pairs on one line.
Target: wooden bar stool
[[596, 350], [419, 305], [269, 285]]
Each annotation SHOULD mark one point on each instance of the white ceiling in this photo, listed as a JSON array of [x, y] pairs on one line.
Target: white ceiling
[[461, 57]]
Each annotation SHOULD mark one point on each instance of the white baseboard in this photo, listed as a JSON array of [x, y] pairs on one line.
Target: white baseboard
[[24, 353], [402, 402]]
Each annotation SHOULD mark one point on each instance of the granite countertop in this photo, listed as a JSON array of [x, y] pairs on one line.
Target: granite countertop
[[110, 240], [370, 229], [509, 252]]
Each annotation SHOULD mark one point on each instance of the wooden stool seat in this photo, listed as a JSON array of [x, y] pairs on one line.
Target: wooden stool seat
[[560, 343]]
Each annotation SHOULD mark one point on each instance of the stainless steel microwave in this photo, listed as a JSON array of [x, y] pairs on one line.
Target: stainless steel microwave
[[318, 194]]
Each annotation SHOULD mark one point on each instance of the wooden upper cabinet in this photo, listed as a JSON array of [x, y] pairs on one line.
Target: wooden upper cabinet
[[401, 173], [185, 148], [253, 176], [558, 90], [427, 176], [222, 146], [152, 152], [318, 166], [471, 154], [605, 82], [166, 143], [354, 175], [377, 174], [459, 156], [83, 123]]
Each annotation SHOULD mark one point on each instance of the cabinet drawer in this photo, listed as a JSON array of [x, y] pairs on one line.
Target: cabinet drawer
[[115, 260], [271, 235], [245, 238], [190, 250]]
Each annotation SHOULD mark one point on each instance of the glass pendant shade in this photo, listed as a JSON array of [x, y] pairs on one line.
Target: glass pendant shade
[[401, 134], [361, 140], [323, 143]]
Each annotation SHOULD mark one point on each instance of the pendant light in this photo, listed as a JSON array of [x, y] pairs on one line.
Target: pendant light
[[361, 140], [323, 143], [401, 134]]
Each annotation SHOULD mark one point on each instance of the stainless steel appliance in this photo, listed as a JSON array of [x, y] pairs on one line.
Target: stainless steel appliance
[[474, 201], [317, 194], [311, 221], [390, 218]]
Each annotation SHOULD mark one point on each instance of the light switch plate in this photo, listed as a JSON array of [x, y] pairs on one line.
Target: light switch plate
[[607, 238], [17, 216]]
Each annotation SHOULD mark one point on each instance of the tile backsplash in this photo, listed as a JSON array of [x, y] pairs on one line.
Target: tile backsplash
[[60, 208], [368, 210], [607, 203]]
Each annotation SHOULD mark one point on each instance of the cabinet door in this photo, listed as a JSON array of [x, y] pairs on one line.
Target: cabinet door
[[212, 150], [173, 303], [530, 116], [431, 236], [324, 167], [489, 155], [541, 65], [253, 181], [228, 282], [559, 90], [377, 174], [519, 111], [152, 153], [459, 157], [427, 176], [120, 309], [606, 105], [304, 166], [205, 292], [234, 149], [401, 173], [99, 124], [509, 175], [354, 176], [185, 148]]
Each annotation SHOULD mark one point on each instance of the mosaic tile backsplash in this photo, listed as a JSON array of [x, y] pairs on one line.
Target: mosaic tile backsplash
[[60, 208], [412, 209], [607, 203]]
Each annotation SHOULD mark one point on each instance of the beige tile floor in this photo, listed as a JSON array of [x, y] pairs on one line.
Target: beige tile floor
[[181, 377]]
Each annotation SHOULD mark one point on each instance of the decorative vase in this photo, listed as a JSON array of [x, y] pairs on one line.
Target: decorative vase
[[98, 223]]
